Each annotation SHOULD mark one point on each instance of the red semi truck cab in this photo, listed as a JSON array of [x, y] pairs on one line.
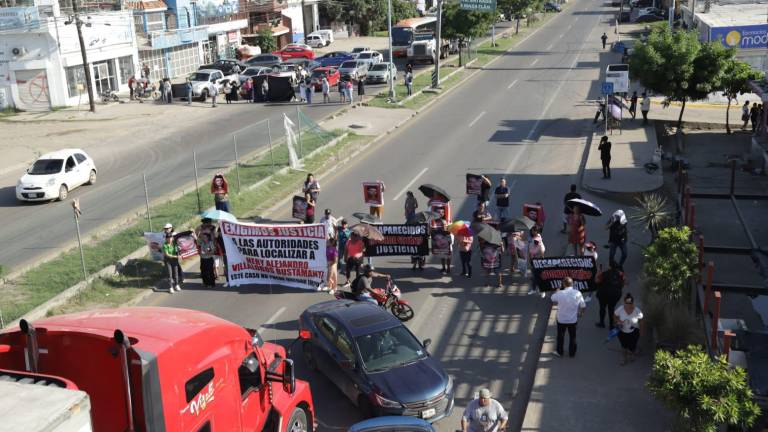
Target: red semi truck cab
[[164, 369]]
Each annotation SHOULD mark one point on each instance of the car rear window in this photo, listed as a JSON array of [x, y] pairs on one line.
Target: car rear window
[[46, 166], [199, 76], [349, 64], [365, 55], [379, 67]]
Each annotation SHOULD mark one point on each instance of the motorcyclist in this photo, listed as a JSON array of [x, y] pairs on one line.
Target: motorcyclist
[[362, 287]]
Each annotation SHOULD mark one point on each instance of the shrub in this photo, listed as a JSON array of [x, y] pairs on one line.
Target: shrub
[[669, 262]]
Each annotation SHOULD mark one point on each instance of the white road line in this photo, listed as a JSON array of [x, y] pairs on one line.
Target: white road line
[[399, 194], [476, 119], [274, 317], [512, 85], [534, 62], [549, 48], [561, 35]]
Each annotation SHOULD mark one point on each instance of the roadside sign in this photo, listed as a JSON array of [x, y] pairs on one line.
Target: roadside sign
[[618, 74], [478, 5], [607, 88]]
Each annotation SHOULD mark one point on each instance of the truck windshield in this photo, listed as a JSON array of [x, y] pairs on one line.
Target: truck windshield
[[46, 167], [424, 36], [388, 349], [199, 76], [402, 36]]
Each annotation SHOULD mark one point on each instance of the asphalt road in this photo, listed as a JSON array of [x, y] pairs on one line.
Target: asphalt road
[[39, 230], [523, 117]]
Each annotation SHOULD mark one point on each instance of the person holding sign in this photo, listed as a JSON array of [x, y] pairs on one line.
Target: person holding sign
[[310, 212], [442, 245], [490, 258], [373, 193]]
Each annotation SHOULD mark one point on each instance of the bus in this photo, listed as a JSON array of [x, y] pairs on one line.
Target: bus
[[402, 33]]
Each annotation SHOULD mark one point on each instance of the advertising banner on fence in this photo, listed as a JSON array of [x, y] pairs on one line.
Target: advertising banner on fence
[[548, 273], [405, 240], [290, 255]]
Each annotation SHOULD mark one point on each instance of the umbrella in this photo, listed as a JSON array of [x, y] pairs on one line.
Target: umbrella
[[521, 223], [487, 233], [429, 190], [365, 217], [218, 215], [424, 217], [368, 231], [587, 207], [461, 228]]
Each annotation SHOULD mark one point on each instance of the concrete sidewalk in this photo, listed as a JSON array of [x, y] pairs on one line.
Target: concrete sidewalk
[[631, 149]]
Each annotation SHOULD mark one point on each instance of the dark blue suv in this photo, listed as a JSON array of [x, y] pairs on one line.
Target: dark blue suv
[[375, 360]]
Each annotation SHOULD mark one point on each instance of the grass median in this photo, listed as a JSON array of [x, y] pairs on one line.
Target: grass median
[[47, 280]]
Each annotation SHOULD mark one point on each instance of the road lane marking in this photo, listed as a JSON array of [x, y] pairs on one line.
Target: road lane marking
[[534, 62], [549, 48], [399, 194], [274, 317], [561, 35], [476, 119], [512, 85]]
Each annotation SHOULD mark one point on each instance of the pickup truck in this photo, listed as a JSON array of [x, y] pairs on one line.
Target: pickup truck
[[202, 77]]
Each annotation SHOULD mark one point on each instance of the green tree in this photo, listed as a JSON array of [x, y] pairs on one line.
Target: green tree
[[736, 78], [669, 262], [266, 40], [678, 66], [370, 15], [704, 393], [516, 9], [331, 10], [463, 24]]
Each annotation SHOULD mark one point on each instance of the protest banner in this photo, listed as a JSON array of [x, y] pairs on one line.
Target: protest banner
[[299, 208], [186, 243], [155, 242], [548, 273], [290, 255], [490, 256], [441, 208], [474, 184], [373, 193], [405, 240], [442, 244]]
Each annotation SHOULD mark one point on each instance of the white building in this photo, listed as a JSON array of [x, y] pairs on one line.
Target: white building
[[304, 15], [41, 62]]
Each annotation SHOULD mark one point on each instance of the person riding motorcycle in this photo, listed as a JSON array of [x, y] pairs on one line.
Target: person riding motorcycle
[[362, 286]]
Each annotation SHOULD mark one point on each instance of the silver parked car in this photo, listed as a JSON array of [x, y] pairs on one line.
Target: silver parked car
[[354, 69]]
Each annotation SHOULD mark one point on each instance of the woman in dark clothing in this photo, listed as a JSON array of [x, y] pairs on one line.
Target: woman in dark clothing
[[207, 249]]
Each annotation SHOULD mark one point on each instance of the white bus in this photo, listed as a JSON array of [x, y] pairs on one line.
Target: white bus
[[403, 33]]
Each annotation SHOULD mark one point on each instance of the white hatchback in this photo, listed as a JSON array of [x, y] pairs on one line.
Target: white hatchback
[[53, 175]]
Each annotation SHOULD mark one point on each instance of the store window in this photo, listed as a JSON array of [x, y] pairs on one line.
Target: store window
[[155, 21], [75, 76], [126, 68]]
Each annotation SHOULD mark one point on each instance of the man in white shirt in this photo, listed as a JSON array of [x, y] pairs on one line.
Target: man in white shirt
[[570, 306], [330, 223]]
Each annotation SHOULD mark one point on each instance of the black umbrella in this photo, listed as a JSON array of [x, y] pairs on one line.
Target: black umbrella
[[521, 223], [367, 231], [424, 217], [365, 217], [429, 190], [587, 207], [487, 233]]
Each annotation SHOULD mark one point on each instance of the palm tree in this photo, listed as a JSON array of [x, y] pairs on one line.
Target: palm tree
[[652, 212]]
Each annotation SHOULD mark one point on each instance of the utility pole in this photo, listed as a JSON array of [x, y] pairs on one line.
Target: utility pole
[[304, 20], [439, 45], [88, 83], [392, 94]]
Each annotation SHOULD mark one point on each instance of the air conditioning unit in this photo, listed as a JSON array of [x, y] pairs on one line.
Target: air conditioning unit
[[18, 51]]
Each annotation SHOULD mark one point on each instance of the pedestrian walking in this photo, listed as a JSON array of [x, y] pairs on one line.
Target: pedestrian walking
[[536, 249], [311, 186], [605, 156], [131, 87], [377, 210], [577, 232], [361, 88], [570, 307], [610, 283], [171, 260], [572, 194], [342, 88], [349, 92], [604, 38], [326, 87], [165, 90], [409, 67], [310, 89], [265, 89], [617, 236], [342, 237], [248, 90], [411, 204], [629, 319], [207, 250], [188, 90], [220, 191], [633, 105], [332, 257], [645, 106], [227, 92], [745, 115], [484, 414], [310, 214], [502, 200], [465, 254], [754, 112], [330, 223], [302, 91], [409, 82], [214, 92], [353, 255]]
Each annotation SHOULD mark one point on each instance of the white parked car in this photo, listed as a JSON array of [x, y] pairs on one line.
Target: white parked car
[[53, 175], [357, 50], [380, 72], [326, 34], [315, 41], [370, 57]]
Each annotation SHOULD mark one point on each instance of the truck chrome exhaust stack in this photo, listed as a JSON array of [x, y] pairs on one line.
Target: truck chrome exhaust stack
[[33, 349], [125, 345]]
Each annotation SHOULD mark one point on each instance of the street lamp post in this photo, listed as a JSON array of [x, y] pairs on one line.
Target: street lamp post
[[392, 95]]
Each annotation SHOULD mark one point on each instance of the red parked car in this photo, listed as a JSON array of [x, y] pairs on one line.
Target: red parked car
[[295, 52], [331, 73]]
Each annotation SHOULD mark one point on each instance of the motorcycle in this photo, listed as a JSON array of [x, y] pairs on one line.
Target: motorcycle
[[388, 297], [109, 96]]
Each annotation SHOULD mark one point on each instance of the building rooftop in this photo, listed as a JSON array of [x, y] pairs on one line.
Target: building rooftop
[[731, 15]]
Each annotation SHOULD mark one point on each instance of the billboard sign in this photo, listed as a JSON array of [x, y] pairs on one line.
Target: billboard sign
[[743, 37], [19, 18], [478, 5]]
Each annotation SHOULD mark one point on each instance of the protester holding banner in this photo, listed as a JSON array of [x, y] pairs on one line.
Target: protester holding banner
[[465, 254], [577, 233], [373, 193], [485, 190], [299, 208], [310, 212], [171, 259], [442, 245], [518, 249], [536, 249], [221, 251], [572, 194], [353, 255], [207, 249], [490, 258], [332, 256]]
